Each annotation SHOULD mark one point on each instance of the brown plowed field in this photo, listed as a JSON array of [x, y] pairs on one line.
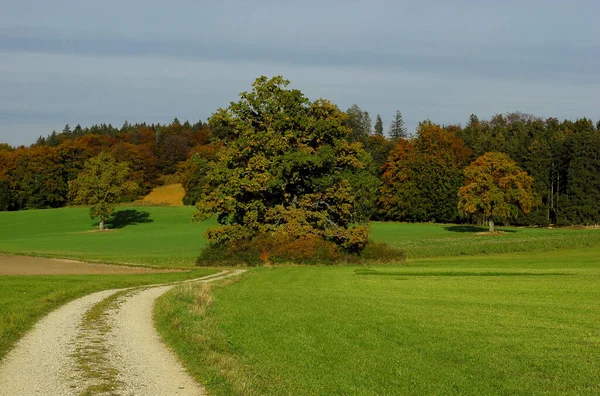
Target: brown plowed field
[[21, 265]]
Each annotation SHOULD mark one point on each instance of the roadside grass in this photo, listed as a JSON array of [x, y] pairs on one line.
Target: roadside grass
[[166, 237], [427, 240], [517, 323], [25, 299]]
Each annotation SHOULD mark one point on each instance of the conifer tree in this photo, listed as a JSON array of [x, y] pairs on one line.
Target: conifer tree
[[398, 129], [378, 126]]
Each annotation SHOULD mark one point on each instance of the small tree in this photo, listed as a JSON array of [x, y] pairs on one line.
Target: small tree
[[100, 184], [495, 187], [397, 129]]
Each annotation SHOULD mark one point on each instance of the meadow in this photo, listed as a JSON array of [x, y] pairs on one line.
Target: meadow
[[166, 237], [518, 323], [513, 313], [145, 235]]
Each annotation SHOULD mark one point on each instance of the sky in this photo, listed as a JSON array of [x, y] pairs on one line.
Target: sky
[[87, 62]]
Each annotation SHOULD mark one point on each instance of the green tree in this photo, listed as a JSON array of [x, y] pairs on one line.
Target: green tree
[[100, 184], [287, 170], [359, 123], [582, 193], [398, 129], [378, 126], [496, 188]]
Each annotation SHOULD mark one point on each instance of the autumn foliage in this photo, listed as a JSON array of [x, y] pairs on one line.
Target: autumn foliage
[[496, 188], [285, 170], [422, 176]]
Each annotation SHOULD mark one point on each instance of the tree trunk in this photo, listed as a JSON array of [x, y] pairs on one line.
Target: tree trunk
[[101, 223], [491, 225]]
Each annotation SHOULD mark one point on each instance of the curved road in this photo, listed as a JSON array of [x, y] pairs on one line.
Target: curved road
[[116, 353]]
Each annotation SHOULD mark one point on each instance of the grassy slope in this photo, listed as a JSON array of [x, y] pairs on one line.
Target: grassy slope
[[505, 324], [168, 239], [25, 299]]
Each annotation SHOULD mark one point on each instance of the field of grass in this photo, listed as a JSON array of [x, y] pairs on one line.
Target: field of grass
[[467, 314], [517, 323], [425, 240], [165, 237], [25, 299], [152, 236]]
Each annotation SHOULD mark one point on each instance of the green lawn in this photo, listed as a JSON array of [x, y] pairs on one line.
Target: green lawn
[[153, 236], [165, 237], [458, 317], [522, 323], [425, 240], [25, 299]]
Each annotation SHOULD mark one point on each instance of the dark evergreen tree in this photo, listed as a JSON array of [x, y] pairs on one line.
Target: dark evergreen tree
[[398, 130], [378, 126], [52, 140], [580, 203]]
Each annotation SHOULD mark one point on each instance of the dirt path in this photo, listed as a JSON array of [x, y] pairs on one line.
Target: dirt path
[[24, 265], [104, 343]]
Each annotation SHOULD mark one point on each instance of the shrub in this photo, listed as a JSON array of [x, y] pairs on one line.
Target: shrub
[[267, 249]]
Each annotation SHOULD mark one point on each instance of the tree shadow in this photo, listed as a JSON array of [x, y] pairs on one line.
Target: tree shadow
[[128, 217], [471, 229]]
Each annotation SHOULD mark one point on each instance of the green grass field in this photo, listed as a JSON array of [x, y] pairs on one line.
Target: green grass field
[[515, 313], [165, 237], [152, 236], [524, 323], [445, 240]]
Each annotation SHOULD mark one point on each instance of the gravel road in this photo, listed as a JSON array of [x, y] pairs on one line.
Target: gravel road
[[125, 355]]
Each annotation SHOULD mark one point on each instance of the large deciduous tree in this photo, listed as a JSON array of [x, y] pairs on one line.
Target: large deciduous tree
[[100, 184], [286, 169], [422, 176], [496, 188]]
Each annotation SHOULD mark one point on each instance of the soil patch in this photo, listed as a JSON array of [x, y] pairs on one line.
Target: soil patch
[[22, 265]]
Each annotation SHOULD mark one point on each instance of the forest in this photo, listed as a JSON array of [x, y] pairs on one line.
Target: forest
[[411, 177]]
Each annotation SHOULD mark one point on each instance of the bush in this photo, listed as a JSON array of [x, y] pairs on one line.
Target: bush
[[381, 253], [283, 249]]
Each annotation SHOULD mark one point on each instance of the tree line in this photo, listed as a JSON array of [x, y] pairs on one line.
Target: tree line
[[408, 177]]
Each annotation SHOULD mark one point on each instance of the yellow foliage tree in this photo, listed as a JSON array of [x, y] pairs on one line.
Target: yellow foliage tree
[[495, 187]]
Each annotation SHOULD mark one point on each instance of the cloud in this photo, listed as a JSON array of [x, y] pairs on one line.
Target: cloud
[[82, 62]]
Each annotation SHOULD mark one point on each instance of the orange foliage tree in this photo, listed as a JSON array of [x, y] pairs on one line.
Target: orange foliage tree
[[422, 176]]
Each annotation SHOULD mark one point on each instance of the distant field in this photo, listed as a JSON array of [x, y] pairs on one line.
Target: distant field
[[444, 240], [169, 195], [165, 237], [519, 323], [154, 236]]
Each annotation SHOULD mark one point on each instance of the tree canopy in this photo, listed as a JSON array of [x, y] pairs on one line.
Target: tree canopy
[[100, 184], [286, 168], [422, 176], [496, 188]]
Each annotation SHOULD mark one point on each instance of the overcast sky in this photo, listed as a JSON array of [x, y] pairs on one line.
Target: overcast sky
[[85, 62]]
